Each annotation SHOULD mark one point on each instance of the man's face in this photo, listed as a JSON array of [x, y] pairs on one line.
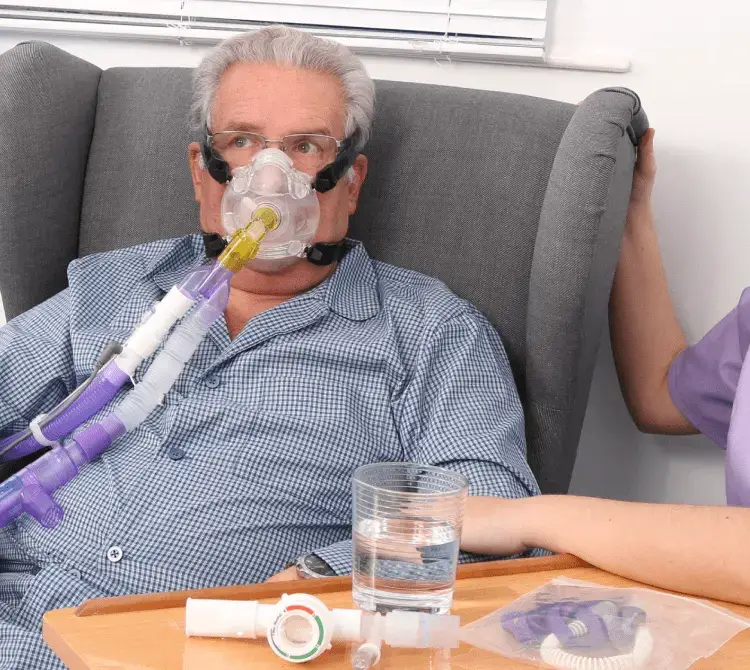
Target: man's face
[[276, 101]]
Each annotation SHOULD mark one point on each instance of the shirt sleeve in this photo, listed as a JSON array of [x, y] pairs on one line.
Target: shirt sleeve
[[461, 409], [703, 378], [338, 556], [36, 362]]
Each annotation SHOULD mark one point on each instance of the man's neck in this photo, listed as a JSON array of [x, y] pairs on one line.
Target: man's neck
[[252, 293]]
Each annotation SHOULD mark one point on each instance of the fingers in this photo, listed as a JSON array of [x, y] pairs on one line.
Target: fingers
[[646, 162], [284, 576]]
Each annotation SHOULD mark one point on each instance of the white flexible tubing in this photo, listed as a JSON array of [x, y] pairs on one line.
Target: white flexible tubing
[[553, 655], [167, 366], [163, 372], [147, 336]]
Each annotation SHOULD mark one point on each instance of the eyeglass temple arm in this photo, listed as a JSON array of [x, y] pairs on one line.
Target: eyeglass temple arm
[[329, 176]]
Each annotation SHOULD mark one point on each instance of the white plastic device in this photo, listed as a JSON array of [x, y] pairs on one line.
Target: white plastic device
[[300, 627]]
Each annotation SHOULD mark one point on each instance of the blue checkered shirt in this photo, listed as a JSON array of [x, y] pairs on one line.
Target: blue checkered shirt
[[247, 463]]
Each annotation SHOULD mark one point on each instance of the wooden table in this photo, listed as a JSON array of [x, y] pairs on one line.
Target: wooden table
[[148, 632]]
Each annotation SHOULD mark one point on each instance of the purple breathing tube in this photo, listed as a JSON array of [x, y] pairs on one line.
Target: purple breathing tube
[[601, 626], [101, 391], [30, 490], [203, 282]]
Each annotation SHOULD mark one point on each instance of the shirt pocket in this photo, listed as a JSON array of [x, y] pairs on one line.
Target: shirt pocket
[[317, 429], [214, 434]]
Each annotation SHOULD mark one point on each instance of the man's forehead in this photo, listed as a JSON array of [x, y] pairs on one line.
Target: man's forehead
[[261, 97]]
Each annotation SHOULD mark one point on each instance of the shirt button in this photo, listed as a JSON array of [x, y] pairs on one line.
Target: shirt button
[[76, 573], [212, 381], [114, 554], [176, 454]]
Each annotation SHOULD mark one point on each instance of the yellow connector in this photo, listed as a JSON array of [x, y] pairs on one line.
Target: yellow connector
[[245, 243]]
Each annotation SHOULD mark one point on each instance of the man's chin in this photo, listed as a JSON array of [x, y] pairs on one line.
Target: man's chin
[[273, 267]]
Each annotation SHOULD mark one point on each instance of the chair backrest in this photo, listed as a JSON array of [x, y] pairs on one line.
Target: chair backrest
[[517, 203]]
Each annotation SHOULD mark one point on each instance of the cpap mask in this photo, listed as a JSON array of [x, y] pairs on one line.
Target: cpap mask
[[272, 181]]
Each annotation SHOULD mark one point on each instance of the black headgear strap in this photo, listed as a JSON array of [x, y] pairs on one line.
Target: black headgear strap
[[322, 253]]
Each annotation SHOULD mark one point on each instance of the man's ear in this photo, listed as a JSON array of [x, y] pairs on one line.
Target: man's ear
[[360, 173], [197, 168]]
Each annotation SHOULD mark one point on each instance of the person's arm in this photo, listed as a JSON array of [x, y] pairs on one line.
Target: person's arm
[[646, 336], [702, 551]]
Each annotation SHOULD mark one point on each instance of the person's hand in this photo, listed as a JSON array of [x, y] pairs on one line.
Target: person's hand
[[285, 575], [644, 176], [494, 526]]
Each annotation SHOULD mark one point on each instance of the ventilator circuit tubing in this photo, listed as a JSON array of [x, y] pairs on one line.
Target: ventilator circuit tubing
[[30, 490]]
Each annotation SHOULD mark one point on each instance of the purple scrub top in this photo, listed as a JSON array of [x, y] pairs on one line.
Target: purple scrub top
[[710, 384]]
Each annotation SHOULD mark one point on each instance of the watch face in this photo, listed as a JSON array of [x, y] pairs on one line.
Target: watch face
[[317, 565]]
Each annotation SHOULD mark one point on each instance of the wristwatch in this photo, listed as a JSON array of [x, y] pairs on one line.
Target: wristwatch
[[311, 566]]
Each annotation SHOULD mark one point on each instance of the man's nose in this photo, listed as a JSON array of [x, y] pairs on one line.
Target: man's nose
[[279, 144], [269, 179]]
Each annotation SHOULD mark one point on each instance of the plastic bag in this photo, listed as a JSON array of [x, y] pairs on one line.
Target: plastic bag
[[578, 625]]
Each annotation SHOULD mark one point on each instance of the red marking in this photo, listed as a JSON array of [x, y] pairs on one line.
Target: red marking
[[300, 607]]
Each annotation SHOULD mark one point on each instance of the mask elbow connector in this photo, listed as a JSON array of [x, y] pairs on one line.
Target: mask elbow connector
[[245, 242]]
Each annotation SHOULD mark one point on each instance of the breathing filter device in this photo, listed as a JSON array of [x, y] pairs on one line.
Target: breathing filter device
[[300, 627]]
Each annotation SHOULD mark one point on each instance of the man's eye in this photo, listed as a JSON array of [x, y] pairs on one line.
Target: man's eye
[[241, 142], [305, 147]]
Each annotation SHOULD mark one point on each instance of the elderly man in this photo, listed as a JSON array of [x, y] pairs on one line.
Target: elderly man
[[322, 363]]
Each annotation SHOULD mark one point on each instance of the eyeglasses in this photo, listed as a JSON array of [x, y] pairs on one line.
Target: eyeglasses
[[308, 152]]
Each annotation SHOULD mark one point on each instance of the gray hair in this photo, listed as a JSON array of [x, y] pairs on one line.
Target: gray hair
[[295, 48]]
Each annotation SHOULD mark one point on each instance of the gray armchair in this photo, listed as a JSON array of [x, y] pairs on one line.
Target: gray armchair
[[516, 203]]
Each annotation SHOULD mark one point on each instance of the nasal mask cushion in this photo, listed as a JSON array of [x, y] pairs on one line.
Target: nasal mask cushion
[[272, 181]]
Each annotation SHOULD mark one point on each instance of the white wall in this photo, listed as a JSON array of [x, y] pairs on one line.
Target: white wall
[[689, 66]]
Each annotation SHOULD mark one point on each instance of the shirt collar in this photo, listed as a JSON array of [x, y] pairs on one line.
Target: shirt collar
[[351, 291], [178, 259]]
